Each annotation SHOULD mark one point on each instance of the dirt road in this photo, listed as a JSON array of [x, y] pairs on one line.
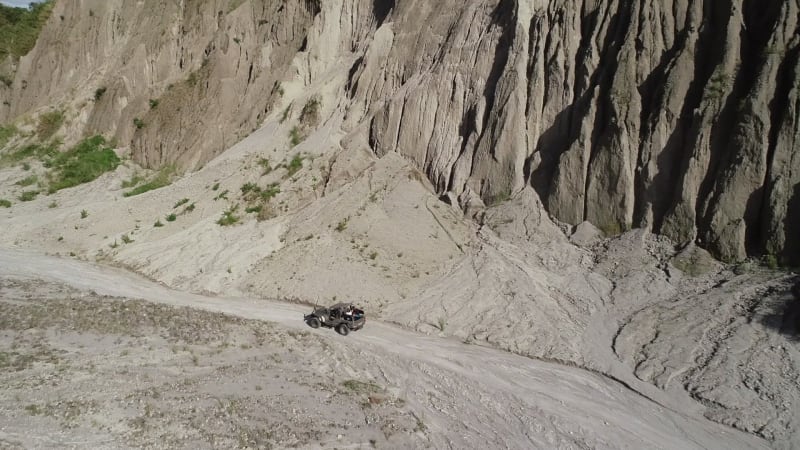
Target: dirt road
[[470, 396]]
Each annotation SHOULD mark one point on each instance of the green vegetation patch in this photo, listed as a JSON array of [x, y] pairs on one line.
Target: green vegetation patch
[[83, 163], [20, 27], [5, 203]]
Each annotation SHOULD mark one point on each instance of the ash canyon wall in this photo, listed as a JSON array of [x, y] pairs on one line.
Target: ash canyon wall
[[679, 116]]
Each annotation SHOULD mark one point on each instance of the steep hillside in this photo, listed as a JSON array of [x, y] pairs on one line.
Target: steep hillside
[[678, 116], [442, 164]]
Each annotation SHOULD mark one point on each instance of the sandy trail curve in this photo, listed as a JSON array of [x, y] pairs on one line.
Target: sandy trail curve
[[504, 399]]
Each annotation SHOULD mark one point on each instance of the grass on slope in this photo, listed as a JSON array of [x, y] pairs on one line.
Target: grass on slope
[[81, 164], [38, 151], [161, 179]]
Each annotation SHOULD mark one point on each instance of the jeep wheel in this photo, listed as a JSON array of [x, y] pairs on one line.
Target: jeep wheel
[[313, 322], [343, 329]]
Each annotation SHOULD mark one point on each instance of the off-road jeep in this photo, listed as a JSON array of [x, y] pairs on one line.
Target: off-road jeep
[[343, 317]]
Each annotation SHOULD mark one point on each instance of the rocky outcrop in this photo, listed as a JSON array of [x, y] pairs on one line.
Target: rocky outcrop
[[679, 116]]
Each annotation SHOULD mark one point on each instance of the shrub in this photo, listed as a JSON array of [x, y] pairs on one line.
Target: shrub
[[215, 187], [49, 124], [158, 224], [309, 116], [718, 85], [126, 239], [361, 387], [250, 187], [499, 198], [294, 165], [99, 92], [181, 203], [254, 209], [373, 255], [270, 192], [171, 217], [265, 164], [222, 195], [771, 261], [189, 208], [84, 214], [161, 179], [295, 136], [193, 77], [28, 196], [229, 217], [342, 225], [153, 103], [5, 203], [138, 123], [266, 213]]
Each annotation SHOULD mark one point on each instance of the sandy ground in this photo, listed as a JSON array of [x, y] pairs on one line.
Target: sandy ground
[[87, 369]]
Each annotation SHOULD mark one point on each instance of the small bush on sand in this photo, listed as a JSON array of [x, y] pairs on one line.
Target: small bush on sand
[[229, 217]]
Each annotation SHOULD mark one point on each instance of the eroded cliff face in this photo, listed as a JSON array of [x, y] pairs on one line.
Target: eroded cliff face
[[680, 116]]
